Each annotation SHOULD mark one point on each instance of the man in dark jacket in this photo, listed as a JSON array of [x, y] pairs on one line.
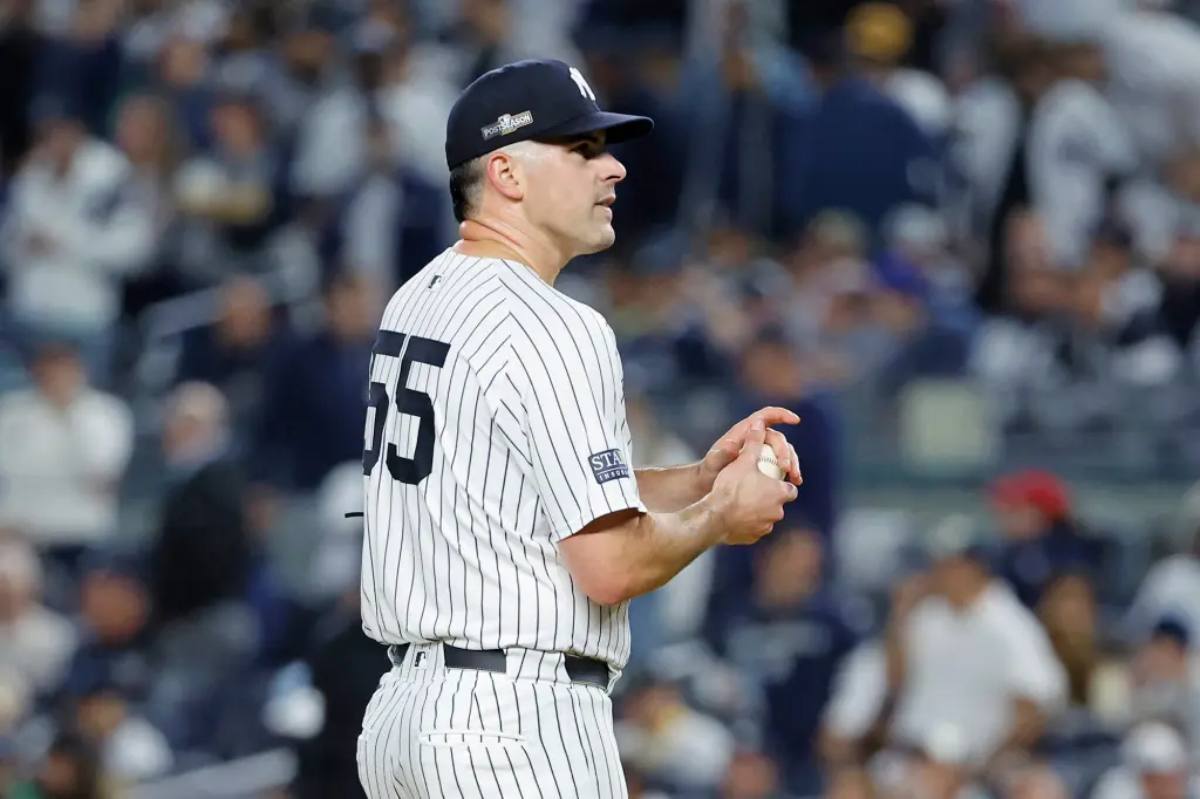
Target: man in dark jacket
[[315, 410], [203, 551]]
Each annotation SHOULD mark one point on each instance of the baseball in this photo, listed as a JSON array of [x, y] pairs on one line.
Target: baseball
[[768, 464]]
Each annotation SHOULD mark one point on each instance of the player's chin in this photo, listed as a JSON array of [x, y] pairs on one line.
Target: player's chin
[[601, 239]]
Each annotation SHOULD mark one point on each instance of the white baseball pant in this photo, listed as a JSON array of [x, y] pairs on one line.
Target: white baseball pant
[[431, 731]]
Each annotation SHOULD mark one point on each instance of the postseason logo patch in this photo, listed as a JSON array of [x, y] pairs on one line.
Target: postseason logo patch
[[608, 465], [506, 124]]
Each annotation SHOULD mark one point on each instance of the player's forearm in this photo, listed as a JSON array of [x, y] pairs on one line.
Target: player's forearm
[[635, 555], [671, 489], [659, 545]]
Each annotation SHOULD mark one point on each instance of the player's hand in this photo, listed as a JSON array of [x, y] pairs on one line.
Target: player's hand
[[749, 503], [726, 450]]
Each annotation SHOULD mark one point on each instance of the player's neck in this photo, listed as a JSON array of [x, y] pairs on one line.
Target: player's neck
[[487, 239]]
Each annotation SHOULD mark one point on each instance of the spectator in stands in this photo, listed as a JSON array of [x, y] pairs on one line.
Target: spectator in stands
[[1151, 58], [227, 196], [183, 65], [1178, 263], [71, 769], [145, 133], [635, 77], [35, 641], [635, 784], [313, 418], [394, 85], [1078, 150], [854, 726], [974, 675], [918, 269], [836, 312], [1166, 681], [1033, 511], [1154, 766], [234, 353], [65, 449], [488, 33], [1172, 586], [749, 93], [787, 639], [70, 232], [83, 57], [209, 566], [1161, 208], [673, 745], [114, 634], [902, 314], [202, 555], [772, 374], [346, 667], [992, 152], [1117, 312], [835, 147], [863, 322], [879, 36], [246, 57], [131, 748], [393, 222]]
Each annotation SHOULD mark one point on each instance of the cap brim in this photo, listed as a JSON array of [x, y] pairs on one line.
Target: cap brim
[[619, 127]]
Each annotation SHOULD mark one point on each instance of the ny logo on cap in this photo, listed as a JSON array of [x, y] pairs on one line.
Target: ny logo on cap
[[506, 124], [584, 89]]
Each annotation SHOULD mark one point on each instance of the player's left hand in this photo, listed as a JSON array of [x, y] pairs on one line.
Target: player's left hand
[[727, 447]]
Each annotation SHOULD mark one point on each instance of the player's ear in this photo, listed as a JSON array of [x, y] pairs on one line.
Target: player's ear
[[503, 172]]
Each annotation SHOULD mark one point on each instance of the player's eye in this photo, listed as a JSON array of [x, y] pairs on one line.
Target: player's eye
[[588, 149]]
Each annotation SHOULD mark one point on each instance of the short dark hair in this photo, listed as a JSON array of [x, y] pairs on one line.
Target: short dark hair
[[464, 185]]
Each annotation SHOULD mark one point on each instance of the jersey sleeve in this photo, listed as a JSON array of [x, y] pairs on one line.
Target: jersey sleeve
[[567, 374]]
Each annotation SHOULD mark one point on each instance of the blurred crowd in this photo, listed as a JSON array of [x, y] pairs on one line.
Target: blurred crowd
[[982, 216]]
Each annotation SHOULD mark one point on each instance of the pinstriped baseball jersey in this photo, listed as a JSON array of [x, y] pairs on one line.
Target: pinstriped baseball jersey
[[496, 427]]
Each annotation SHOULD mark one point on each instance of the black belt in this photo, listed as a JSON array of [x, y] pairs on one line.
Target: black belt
[[579, 669]]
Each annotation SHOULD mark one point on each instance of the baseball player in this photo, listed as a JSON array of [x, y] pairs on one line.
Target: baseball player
[[505, 531]]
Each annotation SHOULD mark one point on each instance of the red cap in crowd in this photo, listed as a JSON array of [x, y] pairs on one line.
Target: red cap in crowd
[[1039, 489]]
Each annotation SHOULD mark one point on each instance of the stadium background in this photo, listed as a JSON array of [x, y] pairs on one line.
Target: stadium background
[[960, 237]]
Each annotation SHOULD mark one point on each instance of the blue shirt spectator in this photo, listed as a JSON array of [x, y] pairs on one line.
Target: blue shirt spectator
[[855, 150], [235, 353], [1041, 539], [788, 637], [315, 410]]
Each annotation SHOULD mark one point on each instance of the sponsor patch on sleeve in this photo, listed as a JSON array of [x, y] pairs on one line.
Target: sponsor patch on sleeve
[[608, 465]]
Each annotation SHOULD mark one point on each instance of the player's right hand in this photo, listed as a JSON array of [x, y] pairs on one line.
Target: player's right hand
[[748, 502]]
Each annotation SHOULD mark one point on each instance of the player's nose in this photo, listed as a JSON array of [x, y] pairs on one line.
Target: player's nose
[[612, 169]]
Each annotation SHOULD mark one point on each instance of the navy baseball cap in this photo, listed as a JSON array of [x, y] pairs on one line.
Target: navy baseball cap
[[530, 100]]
